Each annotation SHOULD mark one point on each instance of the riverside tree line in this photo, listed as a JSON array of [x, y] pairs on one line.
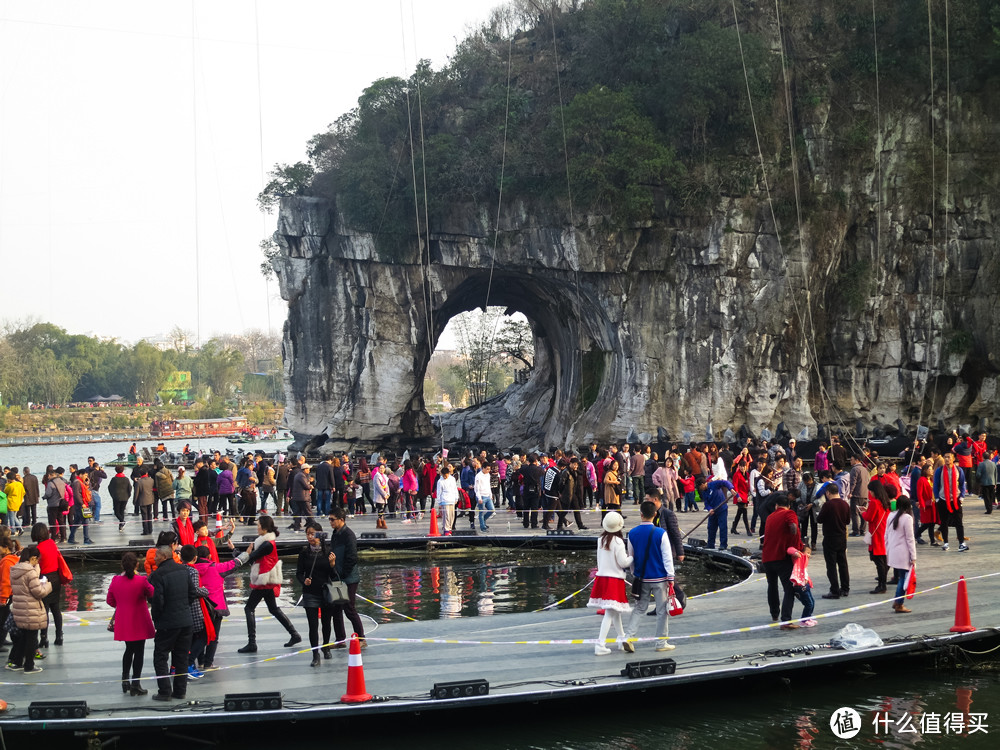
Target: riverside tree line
[[43, 363]]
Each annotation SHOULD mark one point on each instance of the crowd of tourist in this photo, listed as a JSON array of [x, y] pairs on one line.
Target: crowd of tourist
[[181, 603]]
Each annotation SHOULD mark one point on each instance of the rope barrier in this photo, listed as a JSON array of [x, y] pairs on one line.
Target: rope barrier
[[546, 642]]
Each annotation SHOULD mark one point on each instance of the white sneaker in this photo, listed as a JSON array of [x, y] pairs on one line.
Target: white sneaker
[[665, 647], [600, 650], [944, 547], [963, 547]]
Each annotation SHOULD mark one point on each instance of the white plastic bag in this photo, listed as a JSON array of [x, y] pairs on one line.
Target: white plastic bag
[[853, 637]]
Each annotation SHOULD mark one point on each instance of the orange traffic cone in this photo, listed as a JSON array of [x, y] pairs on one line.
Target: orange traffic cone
[[218, 526], [963, 620], [355, 675], [434, 524]]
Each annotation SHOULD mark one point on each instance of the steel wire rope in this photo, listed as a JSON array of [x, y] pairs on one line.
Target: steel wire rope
[[260, 142], [824, 395], [578, 354], [496, 228], [931, 276], [879, 271], [947, 177], [425, 287], [423, 166], [194, 131]]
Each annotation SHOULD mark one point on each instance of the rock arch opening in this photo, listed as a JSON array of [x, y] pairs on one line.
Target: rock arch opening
[[479, 355], [570, 356]]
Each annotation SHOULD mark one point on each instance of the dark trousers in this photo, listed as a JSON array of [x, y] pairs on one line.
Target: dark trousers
[[57, 523], [809, 521], [265, 492], [989, 495], [119, 508], [313, 617], [147, 519], [741, 512], [638, 489], [952, 518], [22, 653], [267, 596], [171, 646], [29, 515], [51, 603], [300, 510], [836, 563], [347, 608], [881, 568], [202, 507], [780, 570], [133, 658], [211, 648], [530, 513]]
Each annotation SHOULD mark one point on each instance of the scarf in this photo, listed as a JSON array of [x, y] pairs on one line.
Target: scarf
[[949, 488]]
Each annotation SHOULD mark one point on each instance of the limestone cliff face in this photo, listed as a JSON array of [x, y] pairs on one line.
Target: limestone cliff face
[[686, 323]]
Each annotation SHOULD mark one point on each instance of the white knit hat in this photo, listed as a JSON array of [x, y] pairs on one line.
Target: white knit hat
[[613, 522]]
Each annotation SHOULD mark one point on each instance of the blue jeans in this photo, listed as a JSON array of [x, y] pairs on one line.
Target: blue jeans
[[717, 522], [486, 509], [689, 503], [77, 520], [901, 574], [805, 595], [13, 519], [323, 498], [95, 505]]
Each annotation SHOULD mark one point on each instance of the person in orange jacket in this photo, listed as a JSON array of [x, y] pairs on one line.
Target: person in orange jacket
[[10, 551]]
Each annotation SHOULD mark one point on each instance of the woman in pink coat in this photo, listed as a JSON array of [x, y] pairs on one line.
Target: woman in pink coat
[[212, 575], [129, 594]]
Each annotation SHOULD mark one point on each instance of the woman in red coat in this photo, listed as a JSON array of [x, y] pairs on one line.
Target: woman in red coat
[[875, 514], [129, 594], [926, 505]]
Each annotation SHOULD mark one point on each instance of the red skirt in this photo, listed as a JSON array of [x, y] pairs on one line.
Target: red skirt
[[609, 593]]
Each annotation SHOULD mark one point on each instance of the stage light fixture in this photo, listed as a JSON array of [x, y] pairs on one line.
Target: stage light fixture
[[373, 535], [58, 710], [460, 689], [252, 701], [559, 532], [649, 668]]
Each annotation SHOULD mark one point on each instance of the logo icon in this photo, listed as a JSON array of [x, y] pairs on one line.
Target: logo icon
[[845, 723]]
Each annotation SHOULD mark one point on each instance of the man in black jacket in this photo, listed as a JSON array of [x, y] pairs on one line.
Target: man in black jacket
[[173, 592], [120, 489], [205, 485]]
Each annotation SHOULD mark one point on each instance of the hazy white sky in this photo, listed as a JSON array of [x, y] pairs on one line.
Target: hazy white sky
[[132, 133]]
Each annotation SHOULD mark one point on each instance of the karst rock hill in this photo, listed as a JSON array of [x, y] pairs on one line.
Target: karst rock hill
[[713, 305]]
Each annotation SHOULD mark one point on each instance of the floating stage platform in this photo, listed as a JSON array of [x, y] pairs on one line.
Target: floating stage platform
[[531, 661]]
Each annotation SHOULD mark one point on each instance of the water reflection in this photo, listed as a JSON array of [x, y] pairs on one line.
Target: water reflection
[[426, 589]]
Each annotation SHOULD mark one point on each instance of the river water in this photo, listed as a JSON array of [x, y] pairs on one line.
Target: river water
[[40, 456]]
